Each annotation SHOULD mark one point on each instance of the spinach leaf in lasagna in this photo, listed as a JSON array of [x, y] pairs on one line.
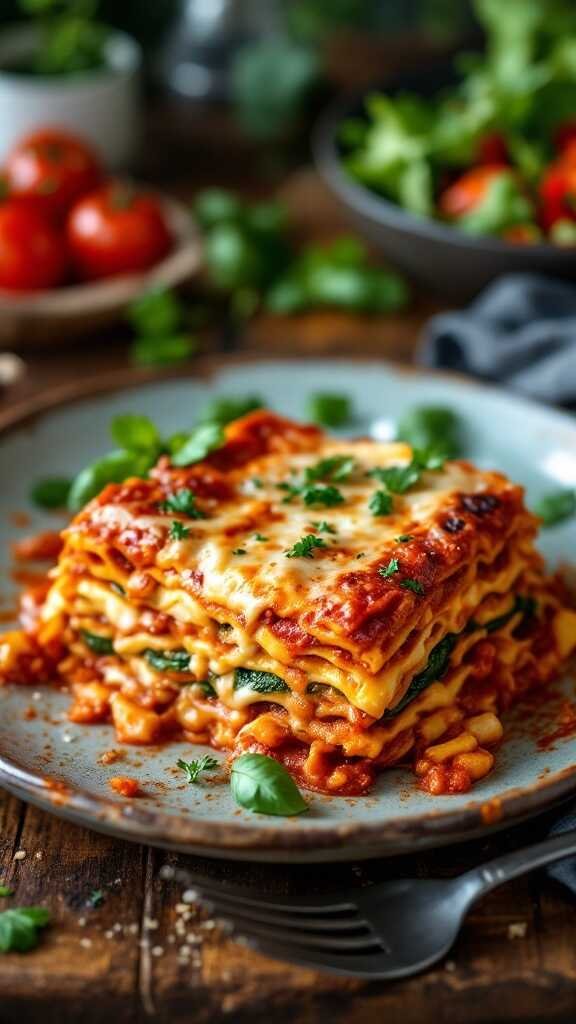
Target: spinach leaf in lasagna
[[436, 667], [527, 605], [260, 682], [168, 661], [98, 644]]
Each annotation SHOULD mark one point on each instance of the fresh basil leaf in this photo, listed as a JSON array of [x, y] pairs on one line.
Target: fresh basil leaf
[[260, 682], [205, 439], [168, 661], [157, 313], [52, 492], [164, 350], [135, 433], [263, 785], [556, 507], [113, 468], [329, 409], [431, 427], [225, 409], [216, 206], [98, 644], [19, 928]]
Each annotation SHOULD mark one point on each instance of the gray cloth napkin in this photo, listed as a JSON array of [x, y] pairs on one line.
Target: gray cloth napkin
[[520, 331]]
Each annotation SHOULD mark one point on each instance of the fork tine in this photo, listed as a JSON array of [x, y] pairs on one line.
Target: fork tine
[[370, 966], [283, 919], [297, 939], [312, 906]]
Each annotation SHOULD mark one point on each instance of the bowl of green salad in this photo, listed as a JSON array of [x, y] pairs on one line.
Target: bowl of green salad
[[459, 175]]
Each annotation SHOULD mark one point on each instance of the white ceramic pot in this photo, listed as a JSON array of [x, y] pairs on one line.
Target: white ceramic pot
[[101, 106]]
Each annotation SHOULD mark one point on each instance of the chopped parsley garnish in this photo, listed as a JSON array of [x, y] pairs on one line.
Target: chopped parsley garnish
[[390, 569], [19, 928], [323, 527], [239, 551], [178, 531], [361, 554], [184, 502], [556, 507], [412, 585], [322, 495], [117, 587], [98, 644], [304, 548], [330, 409], [194, 769], [404, 538], [380, 503], [398, 479], [168, 661], [337, 468], [95, 899], [260, 537], [256, 482]]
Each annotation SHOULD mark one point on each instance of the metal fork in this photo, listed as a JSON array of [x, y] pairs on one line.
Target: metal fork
[[385, 931]]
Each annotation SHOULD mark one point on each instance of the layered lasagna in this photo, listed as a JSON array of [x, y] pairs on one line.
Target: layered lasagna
[[341, 606]]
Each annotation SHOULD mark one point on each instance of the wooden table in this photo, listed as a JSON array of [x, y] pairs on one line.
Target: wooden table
[[143, 954]]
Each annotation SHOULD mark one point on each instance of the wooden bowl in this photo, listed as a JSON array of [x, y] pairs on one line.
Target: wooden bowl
[[36, 319]]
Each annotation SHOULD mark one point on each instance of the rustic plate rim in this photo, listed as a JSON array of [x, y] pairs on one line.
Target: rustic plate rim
[[139, 823]]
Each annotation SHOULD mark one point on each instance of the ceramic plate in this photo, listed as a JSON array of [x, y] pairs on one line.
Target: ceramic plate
[[49, 761]]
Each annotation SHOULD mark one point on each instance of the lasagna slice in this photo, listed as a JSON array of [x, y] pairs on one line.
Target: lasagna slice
[[339, 605]]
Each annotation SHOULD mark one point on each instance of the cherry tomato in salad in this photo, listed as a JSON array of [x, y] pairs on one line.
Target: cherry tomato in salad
[[493, 149], [32, 249], [565, 135], [54, 168], [464, 194], [117, 230]]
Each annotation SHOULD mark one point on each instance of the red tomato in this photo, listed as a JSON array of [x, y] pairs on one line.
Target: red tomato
[[53, 167], [32, 250], [468, 190], [565, 135], [493, 149], [558, 189], [117, 230]]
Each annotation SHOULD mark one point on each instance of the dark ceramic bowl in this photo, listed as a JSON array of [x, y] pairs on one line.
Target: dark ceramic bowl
[[433, 253]]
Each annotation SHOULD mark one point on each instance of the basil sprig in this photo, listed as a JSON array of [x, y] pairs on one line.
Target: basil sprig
[[263, 785], [556, 507], [19, 928]]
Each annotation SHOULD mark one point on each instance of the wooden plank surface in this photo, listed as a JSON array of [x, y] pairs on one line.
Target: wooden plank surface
[[145, 955]]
